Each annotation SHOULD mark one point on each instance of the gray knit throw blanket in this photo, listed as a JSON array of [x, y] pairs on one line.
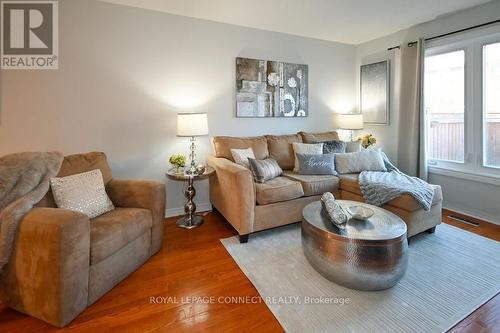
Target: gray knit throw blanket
[[24, 181]]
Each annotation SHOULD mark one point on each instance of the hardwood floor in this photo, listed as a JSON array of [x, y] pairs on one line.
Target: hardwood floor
[[193, 263]]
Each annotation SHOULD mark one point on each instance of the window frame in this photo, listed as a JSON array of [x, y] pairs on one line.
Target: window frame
[[481, 43], [472, 43]]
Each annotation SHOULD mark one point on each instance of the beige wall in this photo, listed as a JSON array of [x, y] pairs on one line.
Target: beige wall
[[125, 73]]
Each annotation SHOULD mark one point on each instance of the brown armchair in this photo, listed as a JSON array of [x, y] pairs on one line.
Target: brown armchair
[[63, 261]]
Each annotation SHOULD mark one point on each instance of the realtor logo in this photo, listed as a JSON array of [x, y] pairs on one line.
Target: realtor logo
[[29, 38]]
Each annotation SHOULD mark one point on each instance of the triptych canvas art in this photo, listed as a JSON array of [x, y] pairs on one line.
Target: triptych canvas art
[[271, 89]]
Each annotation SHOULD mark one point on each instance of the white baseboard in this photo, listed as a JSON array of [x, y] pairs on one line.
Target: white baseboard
[[202, 207], [472, 213]]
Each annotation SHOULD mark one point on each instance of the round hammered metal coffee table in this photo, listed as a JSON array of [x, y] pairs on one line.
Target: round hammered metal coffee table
[[363, 255]]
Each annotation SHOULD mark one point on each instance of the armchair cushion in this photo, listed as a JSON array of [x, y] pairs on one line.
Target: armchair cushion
[[145, 194], [115, 229], [79, 163]]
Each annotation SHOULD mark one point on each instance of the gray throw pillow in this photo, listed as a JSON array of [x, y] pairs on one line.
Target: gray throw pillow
[[365, 160], [353, 146], [334, 147], [264, 170], [314, 164]]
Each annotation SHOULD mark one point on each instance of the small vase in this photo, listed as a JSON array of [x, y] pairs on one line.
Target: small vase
[[179, 169]]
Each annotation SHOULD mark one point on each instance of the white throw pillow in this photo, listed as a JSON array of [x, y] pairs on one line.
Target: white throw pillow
[[241, 156], [83, 192], [365, 160], [305, 148]]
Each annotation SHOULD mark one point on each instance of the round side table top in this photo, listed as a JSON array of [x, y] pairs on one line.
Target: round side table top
[[172, 174], [383, 225]]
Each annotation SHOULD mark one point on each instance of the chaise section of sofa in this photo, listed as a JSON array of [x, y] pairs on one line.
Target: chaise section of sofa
[[250, 207]]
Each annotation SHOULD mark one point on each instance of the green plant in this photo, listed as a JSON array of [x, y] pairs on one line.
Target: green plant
[[177, 160]]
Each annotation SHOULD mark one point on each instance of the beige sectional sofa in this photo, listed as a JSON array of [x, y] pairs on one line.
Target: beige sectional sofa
[[252, 207]]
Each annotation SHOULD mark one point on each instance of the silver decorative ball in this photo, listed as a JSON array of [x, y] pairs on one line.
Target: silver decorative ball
[[200, 169]]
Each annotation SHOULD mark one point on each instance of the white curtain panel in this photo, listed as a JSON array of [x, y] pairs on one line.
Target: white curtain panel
[[411, 147]]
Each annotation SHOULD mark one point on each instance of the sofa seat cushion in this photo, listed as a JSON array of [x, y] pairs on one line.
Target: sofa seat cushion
[[115, 229], [315, 184], [349, 183], [277, 190]]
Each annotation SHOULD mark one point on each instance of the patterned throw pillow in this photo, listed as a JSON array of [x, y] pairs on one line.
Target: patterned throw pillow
[[305, 148], [83, 192], [313, 164], [241, 156], [365, 160], [334, 147], [264, 170]]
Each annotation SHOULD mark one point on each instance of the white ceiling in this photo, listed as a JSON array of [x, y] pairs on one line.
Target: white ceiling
[[348, 21]]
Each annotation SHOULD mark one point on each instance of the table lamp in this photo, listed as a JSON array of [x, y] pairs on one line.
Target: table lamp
[[192, 125], [349, 122]]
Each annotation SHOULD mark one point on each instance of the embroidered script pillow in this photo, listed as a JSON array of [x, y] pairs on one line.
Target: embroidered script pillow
[[264, 170], [83, 192], [305, 148], [241, 156], [313, 164]]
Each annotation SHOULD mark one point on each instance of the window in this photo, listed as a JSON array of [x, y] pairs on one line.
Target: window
[[444, 106], [462, 103], [491, 95]]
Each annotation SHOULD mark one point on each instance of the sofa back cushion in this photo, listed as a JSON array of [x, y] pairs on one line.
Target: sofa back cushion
[[224, 144], [319, 137], [280, 149], [79, 163]]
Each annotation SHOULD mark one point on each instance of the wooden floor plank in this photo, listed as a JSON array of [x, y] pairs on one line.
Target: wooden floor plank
[[193, 263]]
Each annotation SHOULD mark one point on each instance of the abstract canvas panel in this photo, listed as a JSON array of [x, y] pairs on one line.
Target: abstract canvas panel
[[271, 89], [374, 93]]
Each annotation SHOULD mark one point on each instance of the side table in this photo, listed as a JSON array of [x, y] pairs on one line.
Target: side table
[[190, 219]]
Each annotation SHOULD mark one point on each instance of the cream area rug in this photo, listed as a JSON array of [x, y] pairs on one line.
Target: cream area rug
[[450, 274]]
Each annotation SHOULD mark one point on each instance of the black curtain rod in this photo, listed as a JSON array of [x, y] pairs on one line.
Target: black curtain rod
[[450, 33]]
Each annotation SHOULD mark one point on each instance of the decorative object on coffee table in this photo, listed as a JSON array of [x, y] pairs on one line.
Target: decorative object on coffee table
[[335, 212], [363, 255], [349, 122], [192, 125], [190, 219]]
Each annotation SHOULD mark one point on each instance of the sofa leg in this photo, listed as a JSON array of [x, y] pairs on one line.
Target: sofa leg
[[431, 230], [408, 239], [244, 238]]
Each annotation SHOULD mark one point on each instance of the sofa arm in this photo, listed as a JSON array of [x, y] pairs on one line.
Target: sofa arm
[[232, 192], [145, 194], [48, 271]]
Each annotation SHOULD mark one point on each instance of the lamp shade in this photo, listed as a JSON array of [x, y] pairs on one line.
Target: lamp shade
[[192, 124], [349, 121]]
